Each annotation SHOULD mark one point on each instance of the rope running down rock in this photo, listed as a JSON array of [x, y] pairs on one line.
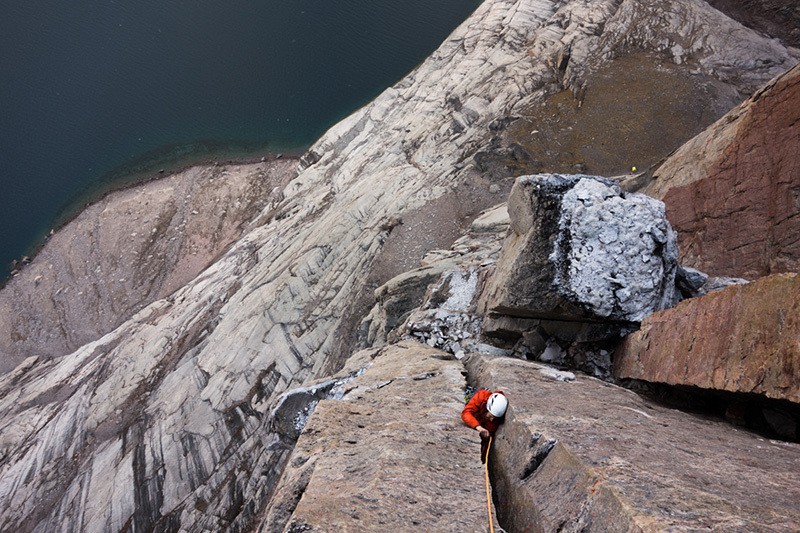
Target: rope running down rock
[[488, 490]]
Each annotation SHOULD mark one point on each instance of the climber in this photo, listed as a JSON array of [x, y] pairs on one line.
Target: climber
[[484, 413]]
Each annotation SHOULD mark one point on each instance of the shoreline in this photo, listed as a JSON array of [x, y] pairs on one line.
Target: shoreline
[[117, 180]]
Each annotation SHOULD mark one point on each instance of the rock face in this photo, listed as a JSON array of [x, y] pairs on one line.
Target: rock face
[[124, 252], [435, 304], [581, 250], [585, 455], [164, 422], [780, 18], [758, 353], [731, 193], [391, 455], [692, 283]]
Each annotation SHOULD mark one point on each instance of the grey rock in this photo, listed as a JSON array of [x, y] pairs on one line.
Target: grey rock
[[492, 350], [689, 281], [552, 353], [581, 249], [162, 423], [693, 283], [615, 253], [395, 300], [595, 359], [450, 331], [448, 279], [719, 283], [455, 291], [294, 407], [533, 342]]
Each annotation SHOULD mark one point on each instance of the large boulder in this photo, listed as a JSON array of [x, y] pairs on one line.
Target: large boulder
[[579, 249], [584, 455], [745, 338], [731, 192]]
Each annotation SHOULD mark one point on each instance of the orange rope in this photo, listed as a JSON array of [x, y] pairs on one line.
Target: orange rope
[[488, 490]]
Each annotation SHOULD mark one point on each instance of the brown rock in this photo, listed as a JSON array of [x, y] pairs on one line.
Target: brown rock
[[624, 118], [391, 455], [732, 193], [745, 338], [588, 456]]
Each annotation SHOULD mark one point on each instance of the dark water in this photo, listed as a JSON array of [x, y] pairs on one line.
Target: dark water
[[94, 90]]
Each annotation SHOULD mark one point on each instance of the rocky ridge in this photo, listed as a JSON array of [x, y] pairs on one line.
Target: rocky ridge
[[133, 247], [164, 423]]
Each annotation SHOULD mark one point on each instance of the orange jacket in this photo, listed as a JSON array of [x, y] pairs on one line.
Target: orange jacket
[[474, 413]]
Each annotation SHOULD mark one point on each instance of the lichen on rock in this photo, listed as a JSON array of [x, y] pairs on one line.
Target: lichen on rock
[[616, 253], [581, 249]]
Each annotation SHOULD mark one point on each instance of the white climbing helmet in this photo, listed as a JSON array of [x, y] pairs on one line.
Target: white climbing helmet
[[497, 404]]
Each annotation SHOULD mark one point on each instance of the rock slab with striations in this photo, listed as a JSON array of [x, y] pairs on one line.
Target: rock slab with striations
[[131, 248], [745, 338], [585, 455], [391, 455]]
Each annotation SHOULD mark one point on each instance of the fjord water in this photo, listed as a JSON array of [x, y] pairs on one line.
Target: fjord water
[[95, 93]]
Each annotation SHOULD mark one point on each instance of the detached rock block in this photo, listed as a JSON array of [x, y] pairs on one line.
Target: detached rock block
[[745, 338], [580, 249]]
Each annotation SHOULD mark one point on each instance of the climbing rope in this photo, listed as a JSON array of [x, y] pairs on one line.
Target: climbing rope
[[488, 489]]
